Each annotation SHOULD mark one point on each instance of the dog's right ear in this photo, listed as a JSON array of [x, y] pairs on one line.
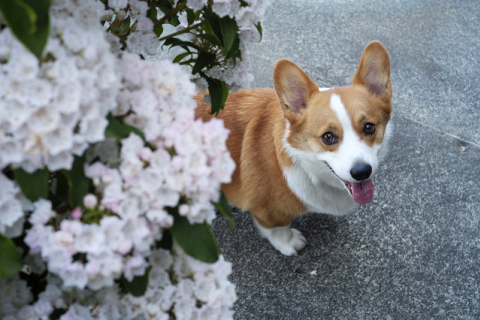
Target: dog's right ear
[[293, 86], [374, 71]]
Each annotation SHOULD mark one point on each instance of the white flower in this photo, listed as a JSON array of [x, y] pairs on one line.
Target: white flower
[[115, 239], [27, 312], [118, 4], [43, 308], [74, 275], [134, 266], [57, 257], [196, 4], [44, 104], [15, 113], [161, 258], [52, 294], [35, 263], [21, 66], [137, 231], [10, 208], [71, 226], [161, 217], [90, 239], [90, 200], [77, 312], [63, 160], [42, 213], [225, 7], [14, 295]]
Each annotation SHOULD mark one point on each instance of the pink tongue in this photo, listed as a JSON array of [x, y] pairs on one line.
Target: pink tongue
[[362, 191]]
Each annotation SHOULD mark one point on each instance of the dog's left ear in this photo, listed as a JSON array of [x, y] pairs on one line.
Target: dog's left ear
[[293, 86], [374, 71]]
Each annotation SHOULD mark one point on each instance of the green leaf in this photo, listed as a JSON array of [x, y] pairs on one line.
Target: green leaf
[[191, 17], [60, 194], [166, 242], [164, 5], [218, 92], [213, 26], [175, 42], [180, 57], [229, 33], [119, 131], [78, 183], [204, 59], [225, 209], [29, 21], [234, 50], [158, 29], [174, 20], [33, 185], [197, 239], [260, 30], [10, 258], [138, 286]]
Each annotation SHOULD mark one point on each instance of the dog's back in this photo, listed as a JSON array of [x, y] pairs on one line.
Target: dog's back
[[257, 124]]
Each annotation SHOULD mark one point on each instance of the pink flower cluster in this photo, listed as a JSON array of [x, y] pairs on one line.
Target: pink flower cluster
[[191, 164], [57, 108]]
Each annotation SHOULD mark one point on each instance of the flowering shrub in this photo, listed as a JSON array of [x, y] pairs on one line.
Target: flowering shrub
[[108, 184]]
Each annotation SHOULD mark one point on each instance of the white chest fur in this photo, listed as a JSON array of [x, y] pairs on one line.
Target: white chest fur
[[314, 183], [318, 196]]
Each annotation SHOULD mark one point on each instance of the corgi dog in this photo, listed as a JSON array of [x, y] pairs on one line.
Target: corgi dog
[[299, 148]]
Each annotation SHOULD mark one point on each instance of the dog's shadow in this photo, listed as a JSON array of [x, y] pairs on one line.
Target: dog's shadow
[[322, 232]]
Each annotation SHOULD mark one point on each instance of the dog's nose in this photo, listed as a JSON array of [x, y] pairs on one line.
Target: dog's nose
[[361, 171]]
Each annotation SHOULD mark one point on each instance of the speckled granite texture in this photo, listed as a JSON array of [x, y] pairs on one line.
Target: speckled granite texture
[[414, 252]]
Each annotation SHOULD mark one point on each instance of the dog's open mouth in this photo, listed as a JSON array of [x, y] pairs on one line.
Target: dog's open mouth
[[361, 192]]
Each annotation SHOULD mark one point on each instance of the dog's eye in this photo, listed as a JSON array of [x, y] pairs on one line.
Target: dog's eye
[[369, 128], [329, 138]]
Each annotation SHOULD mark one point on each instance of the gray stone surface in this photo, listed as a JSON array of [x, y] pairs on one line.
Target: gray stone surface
[[414, 252]]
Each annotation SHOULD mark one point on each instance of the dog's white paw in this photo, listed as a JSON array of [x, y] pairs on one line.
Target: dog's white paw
[[286, 240]]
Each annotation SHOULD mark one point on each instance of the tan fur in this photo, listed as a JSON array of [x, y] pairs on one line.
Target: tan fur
[[257, 126], [257, 121]]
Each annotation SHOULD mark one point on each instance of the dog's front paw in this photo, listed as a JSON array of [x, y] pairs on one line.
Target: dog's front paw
[[286, 240]]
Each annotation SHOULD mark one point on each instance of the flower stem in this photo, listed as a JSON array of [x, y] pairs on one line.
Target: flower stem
[[166, 17], [193, 26]]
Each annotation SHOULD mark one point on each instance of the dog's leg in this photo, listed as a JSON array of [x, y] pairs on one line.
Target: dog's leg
[[285, 239]]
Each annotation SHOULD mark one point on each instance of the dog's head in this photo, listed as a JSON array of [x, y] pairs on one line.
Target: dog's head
[[338, 135]]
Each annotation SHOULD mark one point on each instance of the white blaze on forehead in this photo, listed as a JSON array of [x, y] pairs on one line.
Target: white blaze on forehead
[[342, 115]]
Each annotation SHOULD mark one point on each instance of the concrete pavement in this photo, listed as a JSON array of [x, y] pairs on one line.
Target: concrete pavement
[[414, 251]]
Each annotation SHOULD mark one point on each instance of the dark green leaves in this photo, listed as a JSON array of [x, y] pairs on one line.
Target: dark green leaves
[[218, 94], [10, 258], [180, 57], [138, 285], [118, 130], [78, 183], [224, 208], [229, 34], [204, 59], [197, 240], [225, 30], [33, 185], [260, 30], [29, 21], [175, 42]]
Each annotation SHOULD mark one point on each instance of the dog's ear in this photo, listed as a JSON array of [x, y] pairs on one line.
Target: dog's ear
[[293, 86], [374, 71]]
